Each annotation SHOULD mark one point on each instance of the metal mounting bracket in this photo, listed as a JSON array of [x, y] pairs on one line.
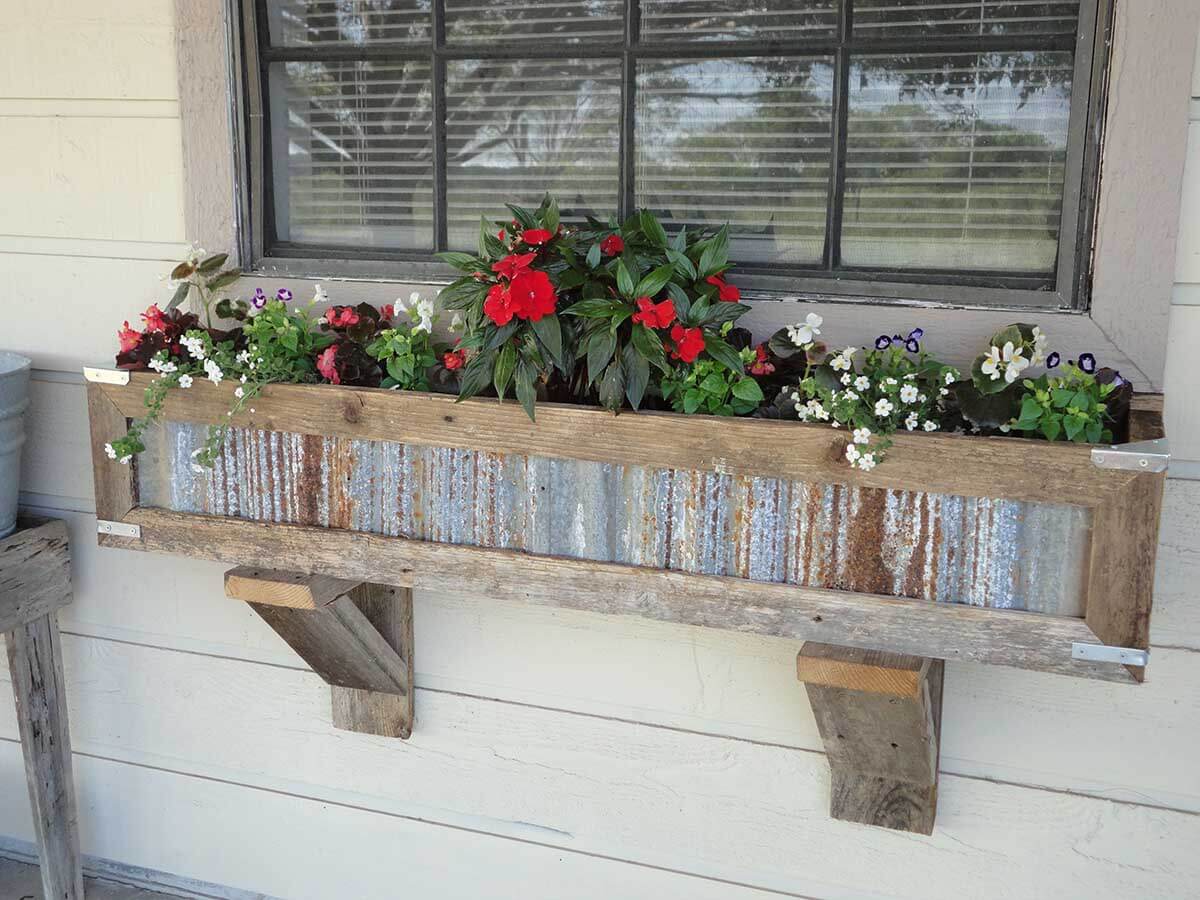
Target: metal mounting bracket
[[118, 529], [105, 376], [1128, 656], [1139, 456]]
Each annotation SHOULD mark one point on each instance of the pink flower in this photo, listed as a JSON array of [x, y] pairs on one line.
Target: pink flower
[[155, 319], [327, 365], [762, 364], [454, 359], [129, 338], [341, 316], [387, 311]]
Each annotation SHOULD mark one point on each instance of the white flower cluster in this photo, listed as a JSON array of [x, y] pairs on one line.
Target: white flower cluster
[[842, 362], [111, 453], [419, 311], [865, 461], [213, 371], [194, 346], [1008, 361], [802, 333], [813, 409], [1040, 342], [162, 365]]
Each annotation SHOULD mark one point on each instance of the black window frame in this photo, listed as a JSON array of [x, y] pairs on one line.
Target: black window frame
[[1067, 289]]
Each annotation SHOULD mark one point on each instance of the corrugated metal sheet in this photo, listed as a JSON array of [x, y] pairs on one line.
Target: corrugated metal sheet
[[996, 553]]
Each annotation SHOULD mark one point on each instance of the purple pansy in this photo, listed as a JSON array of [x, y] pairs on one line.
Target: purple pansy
[[913, 342], [1087, 362], [1053, 360], [259, 300], [883, 342], [283, 294]]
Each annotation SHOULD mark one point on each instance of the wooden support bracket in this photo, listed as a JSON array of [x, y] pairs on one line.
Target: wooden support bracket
[[880, 718], [357, 636]]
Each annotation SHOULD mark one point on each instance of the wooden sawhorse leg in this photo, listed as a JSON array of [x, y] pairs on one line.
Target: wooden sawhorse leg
[[880, 717], [357, 636], [35, 662]]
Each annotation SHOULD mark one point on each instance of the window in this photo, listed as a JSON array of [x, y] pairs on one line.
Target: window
[[923, 149]]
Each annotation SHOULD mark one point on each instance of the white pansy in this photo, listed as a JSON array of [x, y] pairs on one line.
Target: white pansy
[[862, 435], [908, 393], [1014, 362], [185, 381], [883, 407], [319, 294], [109, 451], [839, 363], [847, 378], [867, 462], [422, 314], [930, 425], [1040, 341], [852, 454], [993, 363], [911, 422], [850, 395], [862, 383]]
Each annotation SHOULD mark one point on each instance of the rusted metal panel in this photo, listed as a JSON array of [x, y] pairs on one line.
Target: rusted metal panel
[[995, 553]]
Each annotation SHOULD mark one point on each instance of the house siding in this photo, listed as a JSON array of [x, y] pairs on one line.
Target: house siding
[[556, 754]]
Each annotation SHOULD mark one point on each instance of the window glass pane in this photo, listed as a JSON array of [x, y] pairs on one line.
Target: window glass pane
[[302, 23], [707, 20], [900, 18], [518, 128], [502, 21], [956, 161], [738, 140], [352, 153]]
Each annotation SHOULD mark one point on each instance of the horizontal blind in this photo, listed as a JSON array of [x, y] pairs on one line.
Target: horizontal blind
[[706, 20], [514, 21], [963, 18], [745, 141], [517, 128], [956, 161], [361, 23], [352, 153]]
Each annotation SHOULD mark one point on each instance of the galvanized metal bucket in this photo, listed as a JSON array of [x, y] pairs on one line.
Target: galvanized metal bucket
[[14, 398]]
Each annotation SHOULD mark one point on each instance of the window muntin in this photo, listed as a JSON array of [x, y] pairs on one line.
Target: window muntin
[[510, 83]]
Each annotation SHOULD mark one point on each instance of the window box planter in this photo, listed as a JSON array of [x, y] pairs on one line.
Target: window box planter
[[995, 550]]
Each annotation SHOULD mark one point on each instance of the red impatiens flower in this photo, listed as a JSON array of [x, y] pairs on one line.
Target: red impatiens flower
[[500, 234], [387, 312], [155, 319], [454, 359], [499, 305], [727, 292], [341, 316], [513, 264], [688, 343], [327, 365], [129, 338], [535, 237], [612, 245], [761, 364], [654, 315], [532, 295]]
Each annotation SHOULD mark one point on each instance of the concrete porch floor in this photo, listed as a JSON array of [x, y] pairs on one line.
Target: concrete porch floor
[[20, 881]]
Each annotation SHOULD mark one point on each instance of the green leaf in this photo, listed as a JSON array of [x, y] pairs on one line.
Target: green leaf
[[489, 245], [612, 386], [477, 374], [680, 242], [501, 334], [724, 353], [594, 309], [683, 305], [653, 229], [226, 278], [683, 265], [624, 280], [637, 375], [1073, 426], [1030, 408], [1051, 428], [182, 270], [464, 262], [983, 382], [549, 332], [1061, 398], [601, 347], [654, 282], [179, 296], [649, 345], [747, 389], [523, 216], [506, 362], [593, 256], [715, 257], [526, 389], [1094, 432], [550, 214], [723, 311], [713, 383], [984, 410], [213, 263], [692, 399]]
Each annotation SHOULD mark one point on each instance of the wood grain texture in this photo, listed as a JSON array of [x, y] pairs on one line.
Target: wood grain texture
[[35, 571], [1010, 468], [1123, 554], [115, 484], [294, 590], [35, 665], [883, 747], [390, 610], [1007, 637]]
